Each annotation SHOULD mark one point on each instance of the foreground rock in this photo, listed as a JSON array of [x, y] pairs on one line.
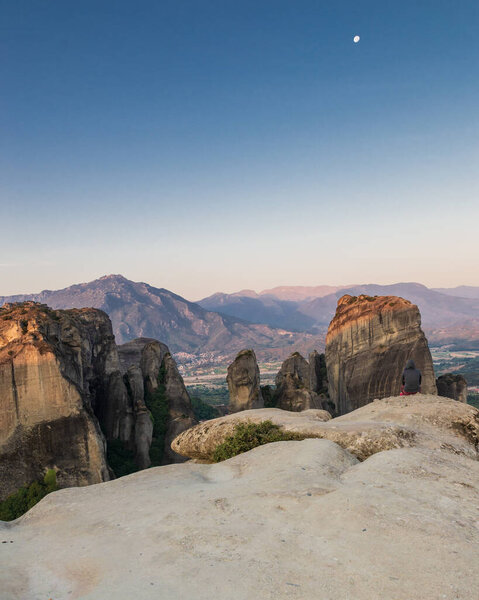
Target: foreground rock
[[418, 421], [244, 382], [368, 343], [452, 386], [54, 368], [288, 520], [200, 442]]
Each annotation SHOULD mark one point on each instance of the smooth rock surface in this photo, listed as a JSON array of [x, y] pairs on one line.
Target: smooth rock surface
[[299, 520], [420, 421], [369, 341], [200, 442]]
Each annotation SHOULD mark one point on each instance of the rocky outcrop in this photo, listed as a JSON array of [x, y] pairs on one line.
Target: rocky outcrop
[[65, 397], [418, 421], [244, 383], [54, 373], [298, 519], [200, 442], [452, 386], [148, 364], [299, 384], [368, 343]]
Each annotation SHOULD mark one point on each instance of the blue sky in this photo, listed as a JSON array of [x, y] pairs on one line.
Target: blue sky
[[218, 145]]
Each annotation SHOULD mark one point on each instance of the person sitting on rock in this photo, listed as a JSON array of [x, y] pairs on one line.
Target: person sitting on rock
[[411, 379]]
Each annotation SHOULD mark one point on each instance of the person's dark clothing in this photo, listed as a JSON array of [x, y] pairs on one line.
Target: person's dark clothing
[[411, 378]]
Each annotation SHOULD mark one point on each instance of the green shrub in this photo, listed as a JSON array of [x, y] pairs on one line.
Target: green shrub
[[24, 325], [250, 435], [120, 458], [157, 404], [202, 410], [26, 497]]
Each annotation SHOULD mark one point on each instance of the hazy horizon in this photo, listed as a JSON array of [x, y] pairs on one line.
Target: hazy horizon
[[232, 291], [219, 146]]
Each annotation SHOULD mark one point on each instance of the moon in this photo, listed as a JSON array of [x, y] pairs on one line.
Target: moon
[[356, 39]]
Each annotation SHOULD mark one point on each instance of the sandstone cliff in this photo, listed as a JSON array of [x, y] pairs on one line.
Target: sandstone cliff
[[452, 386], [67, 402], [153, 381], [244, 382], [54, 368], [368, 343]]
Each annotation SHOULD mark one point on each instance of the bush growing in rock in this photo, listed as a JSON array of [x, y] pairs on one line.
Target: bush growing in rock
[[157, 404], [120, 458], [250, 435], [26, 497]]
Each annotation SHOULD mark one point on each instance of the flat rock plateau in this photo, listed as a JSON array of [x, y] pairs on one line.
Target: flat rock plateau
[[298, 519]]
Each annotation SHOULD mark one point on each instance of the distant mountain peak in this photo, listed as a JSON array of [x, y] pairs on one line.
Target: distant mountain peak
[[113, 277]]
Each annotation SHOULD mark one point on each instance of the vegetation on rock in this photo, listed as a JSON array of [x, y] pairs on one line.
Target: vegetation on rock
[[26, 497], [157, 404], [202, 410], [120, 459], [250, 435]]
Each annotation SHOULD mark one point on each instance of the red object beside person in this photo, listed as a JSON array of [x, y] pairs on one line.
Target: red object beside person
[[403, 393]]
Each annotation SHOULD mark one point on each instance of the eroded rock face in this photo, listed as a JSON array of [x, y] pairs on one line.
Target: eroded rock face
[[419, 421], [368, 344], [65, 396], [297, 382], [244, 382], [452, 386], [144, 359], [54, 372]]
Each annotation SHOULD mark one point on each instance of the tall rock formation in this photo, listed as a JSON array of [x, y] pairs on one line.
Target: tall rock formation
[[368, 343], [297, 383], [452, 386], [54, 371], [68, 403], [244, 383], [155, 384]]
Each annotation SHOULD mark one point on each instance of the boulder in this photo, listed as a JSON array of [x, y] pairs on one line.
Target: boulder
[[287, 520], [244, 382], [420, 421], [368, 344], [200, 441], [453, 386]]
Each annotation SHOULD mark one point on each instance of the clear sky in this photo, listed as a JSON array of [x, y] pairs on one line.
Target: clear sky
[[214, 145]]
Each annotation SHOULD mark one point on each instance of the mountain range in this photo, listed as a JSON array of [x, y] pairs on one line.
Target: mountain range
[[140, 310], [447, 318], [275, 322]]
